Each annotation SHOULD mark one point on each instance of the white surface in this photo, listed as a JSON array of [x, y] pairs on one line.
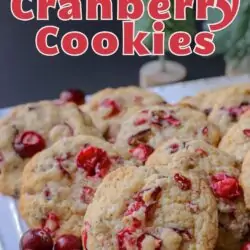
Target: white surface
[[11, 226]]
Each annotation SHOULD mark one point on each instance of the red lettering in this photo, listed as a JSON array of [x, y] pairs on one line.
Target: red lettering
[[159, 9], [18, 12], [42, 41], [204, 44], [92, 9], [134, 43], [70, 10], [180, 9], [202, 8], [130, 9], [229, 11], [105, 43], [74, 43], [43, 7], [179, 44], [158, 38]]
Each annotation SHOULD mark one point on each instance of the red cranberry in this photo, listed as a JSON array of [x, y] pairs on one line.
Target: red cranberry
[[28, 144], [126, 239], [73, 95], [157, 241], [226, 187], [87, 194], [183, 182], [113, 106], [68, 242], [172, 121], [51, 223], [135, 206], [246, 132], [246, 246], [174, 148], [85, 235], [94, 161], [140, 121], [36, 239], [205, 131], [201, 152], [142, 152]]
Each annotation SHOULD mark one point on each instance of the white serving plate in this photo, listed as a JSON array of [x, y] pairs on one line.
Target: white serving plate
[[12, 226]]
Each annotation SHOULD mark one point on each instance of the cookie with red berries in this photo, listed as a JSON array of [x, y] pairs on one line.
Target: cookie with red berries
[[230, 106], [60, 182], [244, 178], [149, 127], [151, 209], [31, 128], [236, 141], [109, 107], [221, 172]]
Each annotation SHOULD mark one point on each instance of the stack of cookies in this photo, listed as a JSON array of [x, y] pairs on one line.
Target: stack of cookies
[[128, 171]]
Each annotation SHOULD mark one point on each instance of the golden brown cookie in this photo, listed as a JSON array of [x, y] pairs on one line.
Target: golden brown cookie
[[60, 182], [221, 172], [31, 128], [151, 209]]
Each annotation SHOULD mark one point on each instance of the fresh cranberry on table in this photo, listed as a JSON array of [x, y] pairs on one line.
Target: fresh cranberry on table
[[36, 239], [28, 144], [73, 95], [246, 246], [68, 242]]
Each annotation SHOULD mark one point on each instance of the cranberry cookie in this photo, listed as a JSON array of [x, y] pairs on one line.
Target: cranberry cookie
[[221, 172], [151, 209], [32, 127], [109, 107], [59, 183], [236, 141], [148, 128], [230, 105], [245, 178]]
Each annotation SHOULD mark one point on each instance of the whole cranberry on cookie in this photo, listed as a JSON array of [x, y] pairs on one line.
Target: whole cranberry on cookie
[[60, 182], [31, 128], [151, 209]]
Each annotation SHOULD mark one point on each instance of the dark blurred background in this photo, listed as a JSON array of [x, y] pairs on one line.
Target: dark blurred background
[[25, 75]]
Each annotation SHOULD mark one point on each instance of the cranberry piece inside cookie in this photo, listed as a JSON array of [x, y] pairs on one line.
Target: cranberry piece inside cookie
[[73, 95], [226, 187], [28, 144], [142, 152], [183, 182], [68, 242], [113, 108], [36, 239], [94, 161]]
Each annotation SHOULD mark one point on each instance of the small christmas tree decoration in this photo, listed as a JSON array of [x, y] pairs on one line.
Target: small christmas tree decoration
[[161, 71]]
